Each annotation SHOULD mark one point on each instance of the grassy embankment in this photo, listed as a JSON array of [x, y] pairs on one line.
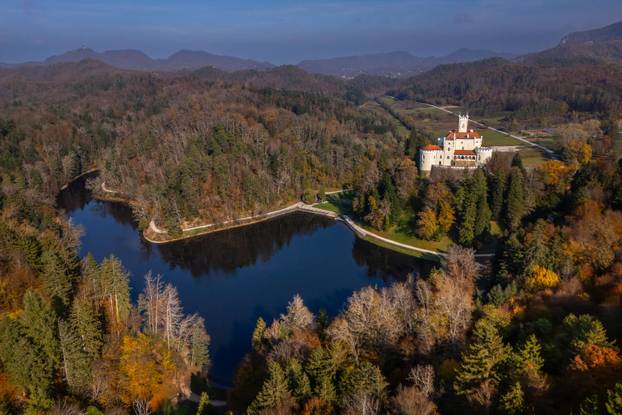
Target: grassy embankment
[[401, 232]]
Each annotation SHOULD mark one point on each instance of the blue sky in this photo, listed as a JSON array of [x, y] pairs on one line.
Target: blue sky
[[286, 31]]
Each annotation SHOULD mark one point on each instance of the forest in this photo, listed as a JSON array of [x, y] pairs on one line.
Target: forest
[[534, 330], [539, 93]]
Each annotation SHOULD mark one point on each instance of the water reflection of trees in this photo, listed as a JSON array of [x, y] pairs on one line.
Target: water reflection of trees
[[230, 250], [74, 197], [240, 247], [386, 264]]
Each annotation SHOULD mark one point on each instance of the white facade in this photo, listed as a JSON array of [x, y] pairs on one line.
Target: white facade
[[460, 148]]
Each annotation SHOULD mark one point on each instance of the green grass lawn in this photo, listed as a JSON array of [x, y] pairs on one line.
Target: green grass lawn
[[396, 233], [532, 157], [329, 206], [340, 203], [494, 138]]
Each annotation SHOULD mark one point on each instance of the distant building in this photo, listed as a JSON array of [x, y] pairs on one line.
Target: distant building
[[460, 148]]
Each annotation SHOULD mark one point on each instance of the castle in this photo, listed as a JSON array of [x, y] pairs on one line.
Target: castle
[[458, 149]]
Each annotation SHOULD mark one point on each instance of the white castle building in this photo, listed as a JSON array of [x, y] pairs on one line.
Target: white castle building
[[460, 149]]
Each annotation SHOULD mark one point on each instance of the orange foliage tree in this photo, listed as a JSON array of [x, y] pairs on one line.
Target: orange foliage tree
[[148, 371]]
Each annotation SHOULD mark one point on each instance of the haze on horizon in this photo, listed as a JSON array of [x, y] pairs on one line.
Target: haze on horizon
[[283, 31]]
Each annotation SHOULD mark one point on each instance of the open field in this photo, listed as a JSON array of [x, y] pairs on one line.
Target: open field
[[374, 108], [438, 122]]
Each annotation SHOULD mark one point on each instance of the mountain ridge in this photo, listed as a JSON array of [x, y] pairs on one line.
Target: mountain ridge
[[138, 60]]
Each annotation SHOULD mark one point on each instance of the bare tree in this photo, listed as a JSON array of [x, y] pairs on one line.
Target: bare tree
[[150, 302], [172, 314], [409, 400], [422, 377], [298, 315]]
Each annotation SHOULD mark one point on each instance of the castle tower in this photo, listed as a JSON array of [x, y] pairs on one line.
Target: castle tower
[[463, 125]]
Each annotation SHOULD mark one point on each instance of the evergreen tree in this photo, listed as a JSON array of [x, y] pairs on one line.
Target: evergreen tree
[[26, 364], [513, 401], [479, 191], [613, 404], [468, 216], [85, 319], [299, 382], [530, 356], [497, 195], [274, 393], [516, 203], [478, 376], [39, 322], [56, 280], [76, 362], [115, 289], [203, 402], [322, 371], [199, 345], [258, 335], [365, 382]]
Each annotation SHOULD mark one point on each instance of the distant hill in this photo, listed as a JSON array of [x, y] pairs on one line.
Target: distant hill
[[394, 64], [604, 34], [602, 45], [137, 60]]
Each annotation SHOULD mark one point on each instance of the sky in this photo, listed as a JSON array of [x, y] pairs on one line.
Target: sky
[[287, 31]]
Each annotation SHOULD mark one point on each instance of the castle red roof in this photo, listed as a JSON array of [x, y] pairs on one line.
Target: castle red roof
[[464, 152], [453, 134], [431, 147]]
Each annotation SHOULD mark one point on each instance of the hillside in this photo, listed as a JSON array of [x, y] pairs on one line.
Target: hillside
[[603, 34], [392, 64], [229, 144], [527, 90], [602, 45], [135, 59], [580, 75]]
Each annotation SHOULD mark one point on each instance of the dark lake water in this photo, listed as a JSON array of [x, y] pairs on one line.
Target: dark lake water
[[233, 277]]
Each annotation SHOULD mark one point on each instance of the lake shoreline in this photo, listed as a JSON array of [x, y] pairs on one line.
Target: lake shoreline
[[157, 237]]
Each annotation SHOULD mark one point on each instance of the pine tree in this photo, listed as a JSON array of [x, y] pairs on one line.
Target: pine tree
[[530, 356], [76, 362], [274, 393], [299, 382], [497, 195], [85, 319], [203, 402], [199, 344], [258, 335], [613, 404], [26, 364], [466, 229], [56, 279], [322, 371], [516, 203], [40, 324], [478, 376], [513, 401], [366, 383], [480, 193], [115, 289]]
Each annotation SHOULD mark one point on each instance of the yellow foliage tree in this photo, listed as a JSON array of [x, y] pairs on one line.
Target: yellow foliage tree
[[148, 373], [446, 215], [427, 224], [541, 278]]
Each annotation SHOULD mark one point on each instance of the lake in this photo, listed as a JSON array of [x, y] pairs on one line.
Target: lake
[[233, 277]]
